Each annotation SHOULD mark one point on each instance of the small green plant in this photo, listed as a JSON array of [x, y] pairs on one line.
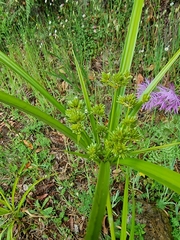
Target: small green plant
[[42, 209], [107, 144], [11, 211], [139, 231], [175, 221]]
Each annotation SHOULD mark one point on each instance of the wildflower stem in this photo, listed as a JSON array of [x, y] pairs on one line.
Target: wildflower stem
[[125, 207], [99, 202], [110, 217]]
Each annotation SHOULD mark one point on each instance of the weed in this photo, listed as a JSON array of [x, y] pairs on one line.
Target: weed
[[11, 211]]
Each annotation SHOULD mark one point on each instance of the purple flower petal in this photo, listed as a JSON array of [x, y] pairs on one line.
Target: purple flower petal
[[163, 98]]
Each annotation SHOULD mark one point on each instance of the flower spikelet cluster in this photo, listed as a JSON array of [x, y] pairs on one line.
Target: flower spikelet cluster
[[75, 115], [120, 142], [95, 152], [128, 100], [99, 110], [116, 80]]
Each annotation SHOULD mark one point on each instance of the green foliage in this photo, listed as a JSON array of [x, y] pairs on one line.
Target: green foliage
[[86, 201], [119, 142], [11, 211], [176, 227], [139, 231]]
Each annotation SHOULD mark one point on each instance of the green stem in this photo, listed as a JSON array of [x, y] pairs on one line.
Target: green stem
[[99, 202], [133, 217], [110, 217], [125, 207]]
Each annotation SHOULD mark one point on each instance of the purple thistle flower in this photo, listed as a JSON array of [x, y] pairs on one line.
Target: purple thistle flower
[[162, 98]]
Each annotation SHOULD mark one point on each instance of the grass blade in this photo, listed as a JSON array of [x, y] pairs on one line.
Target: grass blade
[[161, 174], [15, 184], [2, 233], [86, 99], [33, 111], [161, 74], [4, 211], [5, 201], [130, 42], [126, 60], [13, 191], [144, 150], [27, 192], [10, 231], [17, 69]]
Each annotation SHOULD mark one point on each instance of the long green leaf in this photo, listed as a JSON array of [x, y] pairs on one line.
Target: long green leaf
[[27, 192], [10, 231], [2, 233], [13, 191], [4, 211], [130, 42], [16, 68], [161, 174], [126, 59], [86, 99], [33, 111], [155, 148], [15, 185], [99, 202], [5, 201]]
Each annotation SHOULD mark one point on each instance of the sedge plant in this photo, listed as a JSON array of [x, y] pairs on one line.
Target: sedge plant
[[11, 211], [115, 143]]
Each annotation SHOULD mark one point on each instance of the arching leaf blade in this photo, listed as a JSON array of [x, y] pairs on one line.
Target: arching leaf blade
[[161, 174], [20, 71], [37, 113]]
